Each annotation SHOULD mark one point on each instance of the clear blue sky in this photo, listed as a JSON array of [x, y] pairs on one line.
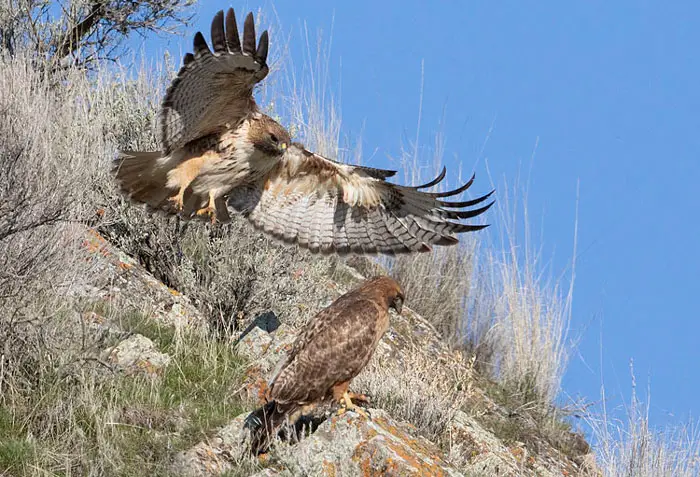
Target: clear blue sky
[[610, 92]]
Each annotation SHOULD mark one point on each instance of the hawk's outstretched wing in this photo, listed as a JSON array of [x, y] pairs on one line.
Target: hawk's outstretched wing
[[327, 206], [214, 90]]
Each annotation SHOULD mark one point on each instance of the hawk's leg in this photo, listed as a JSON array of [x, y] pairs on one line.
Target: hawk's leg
[[210, 209], [345, 399], [359, 398], [178, 199], [347, 405]]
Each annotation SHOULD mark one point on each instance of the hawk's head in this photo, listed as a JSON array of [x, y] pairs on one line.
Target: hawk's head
[[268, 136], [389, 291]]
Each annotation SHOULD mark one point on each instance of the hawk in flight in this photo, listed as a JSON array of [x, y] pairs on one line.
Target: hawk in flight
[[219, 150], [329, 352]]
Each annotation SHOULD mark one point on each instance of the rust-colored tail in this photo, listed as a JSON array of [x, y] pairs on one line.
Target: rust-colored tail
[[143, 176], [265, 423]]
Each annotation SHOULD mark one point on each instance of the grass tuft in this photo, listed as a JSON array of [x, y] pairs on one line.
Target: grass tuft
[[629, 445], [90, 418]]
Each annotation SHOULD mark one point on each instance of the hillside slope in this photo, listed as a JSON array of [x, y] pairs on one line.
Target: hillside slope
[[431, 414]]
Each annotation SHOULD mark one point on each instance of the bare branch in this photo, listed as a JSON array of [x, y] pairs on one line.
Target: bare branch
[[73, 39], [80, 32]]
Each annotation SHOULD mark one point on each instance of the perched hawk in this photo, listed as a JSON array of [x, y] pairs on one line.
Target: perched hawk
[[330, 351], [219, 149]]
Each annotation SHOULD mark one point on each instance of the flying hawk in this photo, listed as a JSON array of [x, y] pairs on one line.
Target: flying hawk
[[329, 352], [219, 150]]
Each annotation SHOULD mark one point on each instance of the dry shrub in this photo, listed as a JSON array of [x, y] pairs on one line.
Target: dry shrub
[[42, 177], [46, 163], [231, 272]]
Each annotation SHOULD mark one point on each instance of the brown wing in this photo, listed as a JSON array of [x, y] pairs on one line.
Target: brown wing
[[333, 348], [331, 207], [214, 90]]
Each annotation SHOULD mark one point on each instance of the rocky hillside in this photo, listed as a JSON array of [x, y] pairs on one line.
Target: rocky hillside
[[175, 393]]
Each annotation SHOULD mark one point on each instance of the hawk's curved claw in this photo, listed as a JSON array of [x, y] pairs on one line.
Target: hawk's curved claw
[[209, 210], [347, 404], [361, 398]]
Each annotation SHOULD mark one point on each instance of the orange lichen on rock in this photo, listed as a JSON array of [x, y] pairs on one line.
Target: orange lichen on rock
[[95, 243], [256, 387], [386, 449], [329, 469]]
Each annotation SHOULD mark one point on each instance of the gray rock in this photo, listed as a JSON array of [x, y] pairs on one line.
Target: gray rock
[[221, 453], [121, 281], [253, 343], [485, 452], [138, 354]]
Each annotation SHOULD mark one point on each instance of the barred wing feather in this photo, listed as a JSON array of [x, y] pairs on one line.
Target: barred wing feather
[[328, 207], [214, 89]]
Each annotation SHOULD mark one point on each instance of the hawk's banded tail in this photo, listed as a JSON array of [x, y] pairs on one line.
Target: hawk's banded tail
[[265, 423], [143, 176]]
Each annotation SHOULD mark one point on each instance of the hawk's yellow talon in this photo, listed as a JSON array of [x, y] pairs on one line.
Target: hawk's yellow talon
[[209, 210], [347, 404]]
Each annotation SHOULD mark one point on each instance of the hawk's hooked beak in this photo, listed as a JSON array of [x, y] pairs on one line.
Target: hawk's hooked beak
[[283, 146], [397, 304]]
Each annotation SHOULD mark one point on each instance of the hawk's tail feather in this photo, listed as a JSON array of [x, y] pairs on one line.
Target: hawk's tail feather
[[265, 423], [143, 176]]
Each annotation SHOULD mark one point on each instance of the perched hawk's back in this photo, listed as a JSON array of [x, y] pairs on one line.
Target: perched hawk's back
[[328, 353]]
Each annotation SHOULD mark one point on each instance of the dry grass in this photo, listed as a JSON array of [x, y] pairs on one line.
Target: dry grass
[[633, 448], [438, 286], [417, 389], [63, 410], [629, 446], [529, 313]]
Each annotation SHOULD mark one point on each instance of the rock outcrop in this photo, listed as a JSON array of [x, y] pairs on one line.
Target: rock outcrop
[[347, 444]]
